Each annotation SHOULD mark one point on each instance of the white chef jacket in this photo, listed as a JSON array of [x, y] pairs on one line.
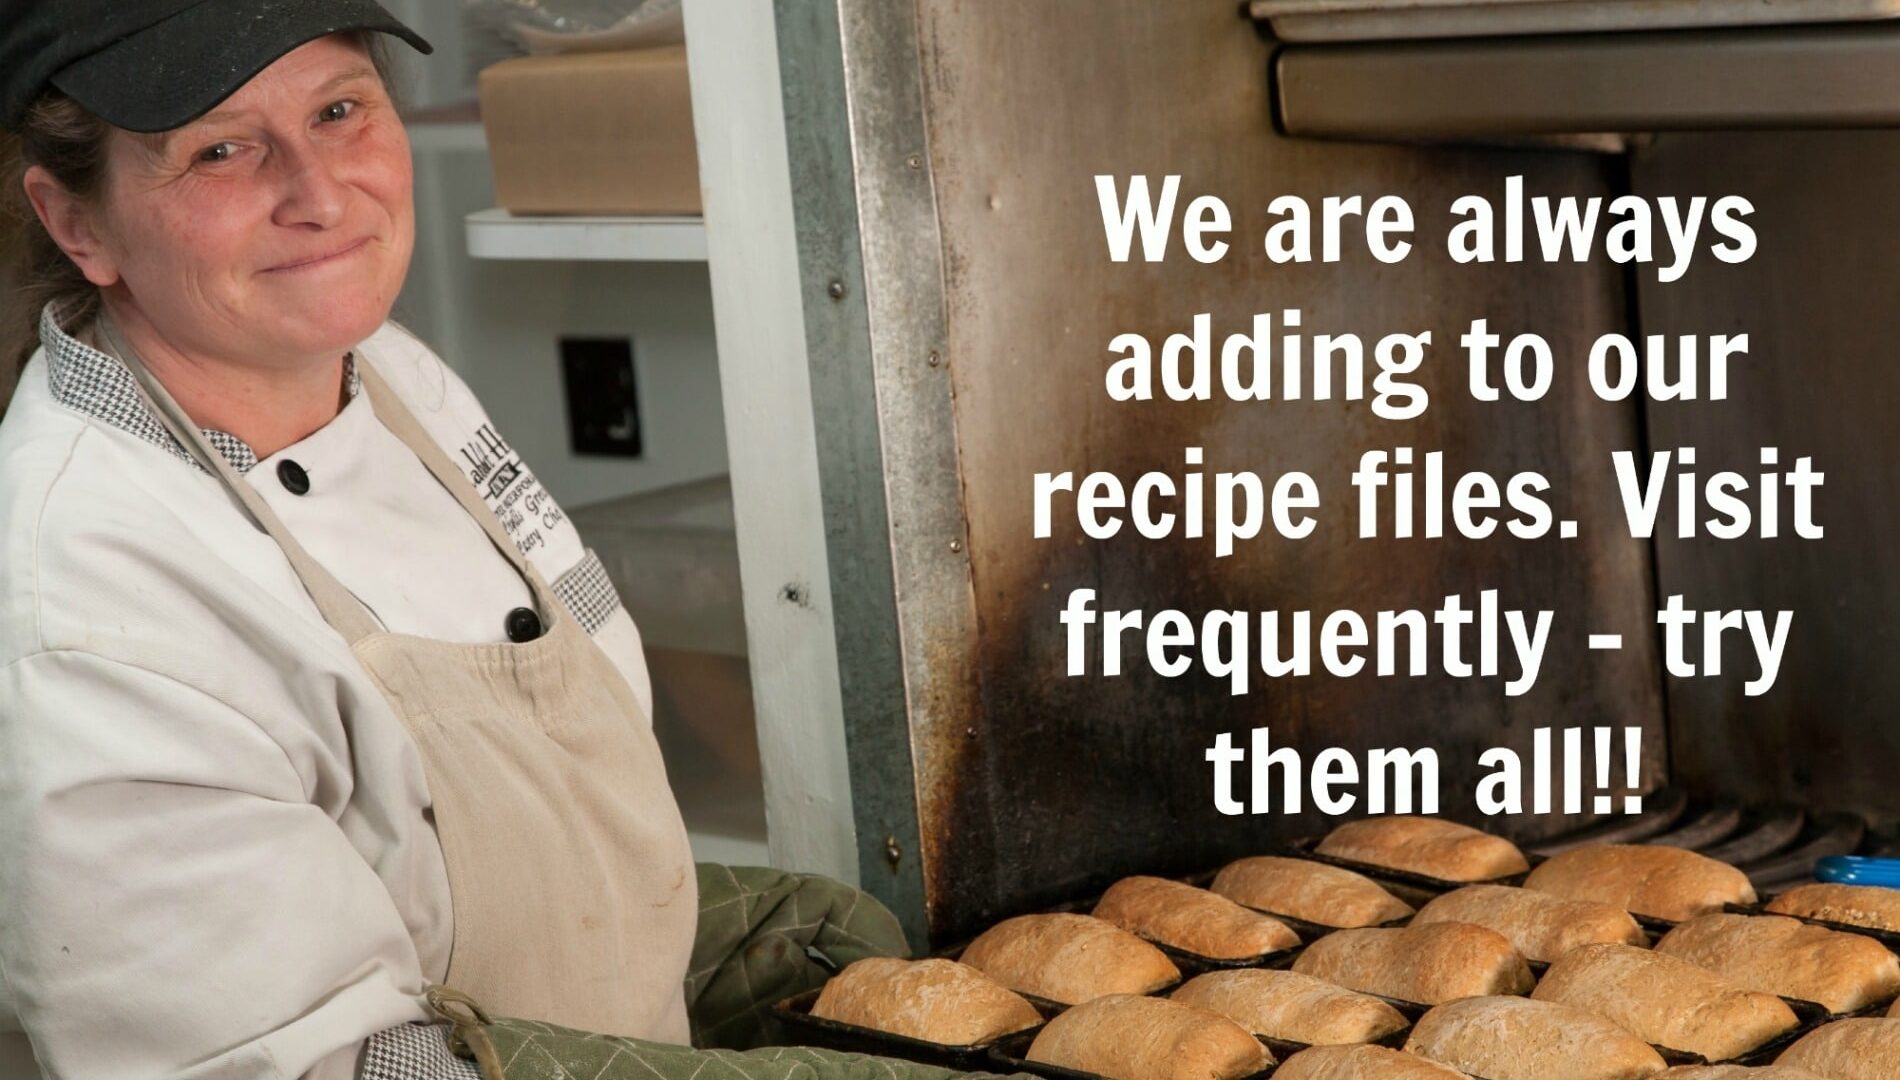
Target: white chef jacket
[[214, 855]]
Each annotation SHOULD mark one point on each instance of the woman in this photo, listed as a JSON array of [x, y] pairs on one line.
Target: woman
[[293, 727]]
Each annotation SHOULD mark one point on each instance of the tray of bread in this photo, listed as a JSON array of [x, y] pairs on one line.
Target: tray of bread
[[1870, 910], [1417, 857], [1607, 957], [933, 1011], [1125, 1035]]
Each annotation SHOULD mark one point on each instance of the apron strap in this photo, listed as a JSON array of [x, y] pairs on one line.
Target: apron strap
[[402, 423], [339, 607]]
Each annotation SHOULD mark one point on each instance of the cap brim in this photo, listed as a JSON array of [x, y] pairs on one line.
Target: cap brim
[[174, 72]]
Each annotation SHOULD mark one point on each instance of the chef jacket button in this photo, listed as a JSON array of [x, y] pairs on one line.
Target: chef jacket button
[[523, 625], [295, 480]]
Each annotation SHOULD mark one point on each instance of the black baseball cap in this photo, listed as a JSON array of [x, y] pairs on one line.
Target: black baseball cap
[[155, 65]]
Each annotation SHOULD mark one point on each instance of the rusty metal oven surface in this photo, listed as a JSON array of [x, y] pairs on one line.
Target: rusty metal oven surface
[[1818, 303], [1031, 786]]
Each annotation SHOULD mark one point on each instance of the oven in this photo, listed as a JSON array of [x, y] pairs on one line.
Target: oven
[[953, 300]]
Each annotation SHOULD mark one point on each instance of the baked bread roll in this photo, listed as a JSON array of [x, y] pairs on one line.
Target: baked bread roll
[[1424, 964], [1543, 927], [1146, 1038], [1069, 958], [1850, 905], [1511, 1038], [1779, 955], [1361, 1063], [1662, 882], [1737, 1072], [1666, 1001], [1201, 922], [938, 1001], [1304, 889], [1291, 1006], [1847, 1050], [1430, 846]]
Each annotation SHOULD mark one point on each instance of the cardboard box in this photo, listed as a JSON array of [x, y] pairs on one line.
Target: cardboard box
[[593, 133]]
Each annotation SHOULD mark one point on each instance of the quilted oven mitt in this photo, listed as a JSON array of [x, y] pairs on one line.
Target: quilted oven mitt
[[525, 1050], [758, 931]]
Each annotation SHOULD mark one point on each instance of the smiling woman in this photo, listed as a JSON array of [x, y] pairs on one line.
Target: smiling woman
[[297, 730], [278, 227], [72, 143]]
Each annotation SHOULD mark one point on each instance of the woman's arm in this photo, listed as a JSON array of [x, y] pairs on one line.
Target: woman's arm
[[172, 903]]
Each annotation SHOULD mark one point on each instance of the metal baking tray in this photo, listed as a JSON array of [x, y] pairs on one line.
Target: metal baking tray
[[1284, 1048], [1386, 20], [1407, 885], [1189, 963], [795, 1014], [1308, 931], [1039, 1002], [1889, 938], [1192, 964], [1420, 889], [1008, 1054], [1808, 1016]]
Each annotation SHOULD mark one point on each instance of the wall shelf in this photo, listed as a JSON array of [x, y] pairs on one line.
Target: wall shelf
[[1372, 20], [1845, 76], [498, 234]]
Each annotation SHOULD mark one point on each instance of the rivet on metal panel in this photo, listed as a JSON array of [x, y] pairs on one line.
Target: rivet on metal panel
[[956, 545], [936, 358], [915, 161], [892, 853], [836, 289]]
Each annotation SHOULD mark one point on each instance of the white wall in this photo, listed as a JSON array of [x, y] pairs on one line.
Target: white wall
[[497, 323], [443, 77]]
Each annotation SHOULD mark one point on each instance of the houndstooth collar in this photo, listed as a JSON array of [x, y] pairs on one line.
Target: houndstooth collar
[[101, 386]]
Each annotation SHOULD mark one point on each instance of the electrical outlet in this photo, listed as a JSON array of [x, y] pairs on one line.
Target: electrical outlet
[[603, 399]]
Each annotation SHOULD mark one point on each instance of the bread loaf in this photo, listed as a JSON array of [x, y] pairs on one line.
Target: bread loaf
[[1542, 926], [1069, 958], [1779, 955], [1304, 889], [938, 1001], [1662, 882], [1848, 1050], [1198, 921], [1737, 1072], [1291, 1006], [1510, 1038], [1665, 1000], [1145, 1038], [1430, 846], [1361, 1063], [1424, 964], [1850, 905]]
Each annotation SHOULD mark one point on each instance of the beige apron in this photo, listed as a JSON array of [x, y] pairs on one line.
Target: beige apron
[[570, 877]]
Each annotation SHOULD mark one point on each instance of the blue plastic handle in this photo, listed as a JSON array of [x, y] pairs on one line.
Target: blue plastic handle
[[1859, 870]]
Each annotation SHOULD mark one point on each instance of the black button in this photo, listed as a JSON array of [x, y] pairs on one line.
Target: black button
[[296, 481], [523, 625]]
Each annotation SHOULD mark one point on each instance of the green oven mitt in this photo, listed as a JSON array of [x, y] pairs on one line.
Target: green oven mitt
[[534, 1051], [530, 1050], [766, 935]]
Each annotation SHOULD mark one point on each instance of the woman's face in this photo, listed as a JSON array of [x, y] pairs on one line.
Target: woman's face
[[277, 228]]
